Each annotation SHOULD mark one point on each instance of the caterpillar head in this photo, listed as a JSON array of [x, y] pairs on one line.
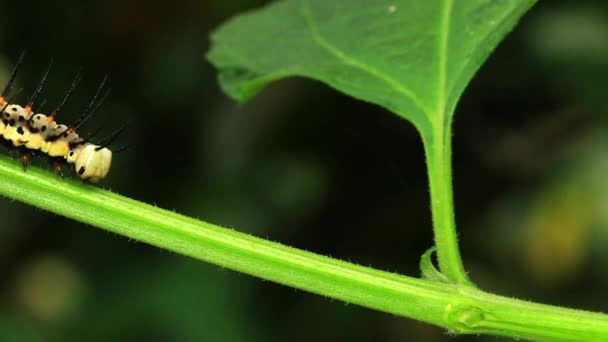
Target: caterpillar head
[[89, 162]]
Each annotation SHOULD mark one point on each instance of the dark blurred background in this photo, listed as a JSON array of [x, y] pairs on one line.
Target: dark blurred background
[[306, 166]]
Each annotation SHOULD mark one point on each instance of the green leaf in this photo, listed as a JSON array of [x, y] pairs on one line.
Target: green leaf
[[412, 57]]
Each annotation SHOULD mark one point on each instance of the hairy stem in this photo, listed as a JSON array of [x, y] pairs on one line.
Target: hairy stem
[[439, 167], [459, 308]]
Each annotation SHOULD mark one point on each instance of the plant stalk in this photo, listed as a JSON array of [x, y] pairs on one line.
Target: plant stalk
[[459, 308], [439, 168]]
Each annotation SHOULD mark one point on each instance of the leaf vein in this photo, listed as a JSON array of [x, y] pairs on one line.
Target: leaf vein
[[444, 32], [336, 52]]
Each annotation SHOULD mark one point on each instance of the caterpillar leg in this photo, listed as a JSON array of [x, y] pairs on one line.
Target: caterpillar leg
[[57, 167], [24, 158]]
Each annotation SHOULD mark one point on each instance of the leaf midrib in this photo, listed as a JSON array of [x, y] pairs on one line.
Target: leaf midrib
[[349, 60], [444, 31]]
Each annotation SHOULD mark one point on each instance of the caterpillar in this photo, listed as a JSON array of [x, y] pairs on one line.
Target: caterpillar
[[35, 133]]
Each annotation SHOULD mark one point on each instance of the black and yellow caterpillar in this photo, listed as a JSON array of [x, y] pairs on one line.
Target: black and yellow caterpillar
[[37, 133]]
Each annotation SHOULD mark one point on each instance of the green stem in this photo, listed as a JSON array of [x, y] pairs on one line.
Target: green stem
[[478, 312], [462, 309], [439, 167]]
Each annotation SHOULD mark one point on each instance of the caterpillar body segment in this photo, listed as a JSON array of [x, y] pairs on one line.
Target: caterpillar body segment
[[13, 118]]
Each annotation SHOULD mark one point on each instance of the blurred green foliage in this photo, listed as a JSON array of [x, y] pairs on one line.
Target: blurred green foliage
[[306, 166]]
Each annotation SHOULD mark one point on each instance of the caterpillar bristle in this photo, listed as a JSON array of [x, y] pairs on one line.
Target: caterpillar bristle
[[14, 96], [13, 76], [90, 108], [42, 105], [40, 87], [68, 93], [92, 134], [121, 149], [92, 111], [110, 139]]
